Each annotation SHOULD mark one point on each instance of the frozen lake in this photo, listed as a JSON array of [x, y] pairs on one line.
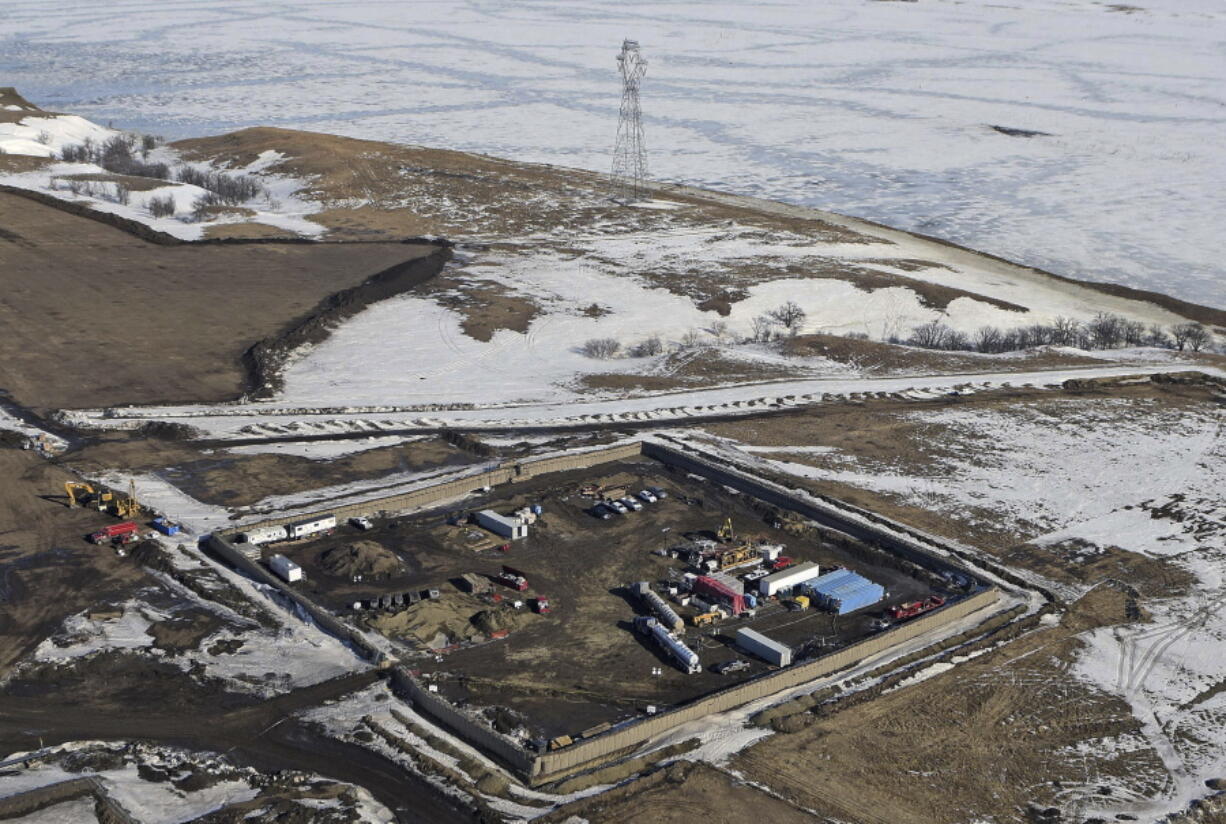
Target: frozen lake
[[882, 110]]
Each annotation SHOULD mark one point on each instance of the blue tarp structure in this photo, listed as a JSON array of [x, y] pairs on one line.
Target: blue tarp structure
[[844, 591]]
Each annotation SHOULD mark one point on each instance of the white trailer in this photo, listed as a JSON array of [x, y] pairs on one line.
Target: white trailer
[[263, 534], [311, 526], [772, 652], [512, 528], [286, 569], [787, 579]]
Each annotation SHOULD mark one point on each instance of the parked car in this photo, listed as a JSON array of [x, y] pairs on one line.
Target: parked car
[[645, 495], [362, 523], [658, 492], [630, 503], [602, 512], [728, 667], [617, 506]]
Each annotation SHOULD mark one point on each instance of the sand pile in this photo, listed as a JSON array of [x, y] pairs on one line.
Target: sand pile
[[365, 558]]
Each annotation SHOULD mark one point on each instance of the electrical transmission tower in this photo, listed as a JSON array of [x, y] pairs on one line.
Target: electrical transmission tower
[[630, 152]]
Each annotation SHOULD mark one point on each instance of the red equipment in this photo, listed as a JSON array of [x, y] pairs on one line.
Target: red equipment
[[541, 606], [782, 562], [113, 531], [718, 589], [513, 578], [913, 608]]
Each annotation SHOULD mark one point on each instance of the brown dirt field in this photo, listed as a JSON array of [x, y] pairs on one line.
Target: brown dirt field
[[99, 317], [47, 569], [980, 742], [234, 479], [682, 793]]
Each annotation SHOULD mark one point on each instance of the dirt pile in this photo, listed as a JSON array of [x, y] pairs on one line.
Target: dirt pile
[[448, 620], [363, 558]]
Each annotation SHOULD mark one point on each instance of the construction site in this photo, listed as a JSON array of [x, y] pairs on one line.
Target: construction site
[[571, 602]]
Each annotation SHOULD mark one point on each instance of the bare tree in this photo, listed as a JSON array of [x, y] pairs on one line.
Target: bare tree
[[692, 339], [720, 330], [931, 335], [763, 328], [1132, 332], [1106, 330], [162, 206], [1190, 335], [988, 339], [1066, 332], [1158, 337], [601, 348], [648, 348], [789, 315]]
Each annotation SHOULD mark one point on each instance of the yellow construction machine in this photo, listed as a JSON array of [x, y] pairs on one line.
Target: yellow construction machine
[[726, 533], [78, 493], [128, 508]]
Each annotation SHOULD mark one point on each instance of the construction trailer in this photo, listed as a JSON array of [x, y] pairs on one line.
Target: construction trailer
[[772, 652], [312, 526], [512, 528], [787, 579], [669, 618], [844, 591], [263, 535], [685, 657], [285, 569], [720, 591]]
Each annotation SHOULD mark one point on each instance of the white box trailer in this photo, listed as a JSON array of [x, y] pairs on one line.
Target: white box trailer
[[512, 528], [264, 534], [286, 569], [788, 578], [311, 526], [772, 652]]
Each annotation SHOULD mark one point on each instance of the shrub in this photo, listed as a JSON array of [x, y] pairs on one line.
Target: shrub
[[162, 206], [601, 348], [649, 348]]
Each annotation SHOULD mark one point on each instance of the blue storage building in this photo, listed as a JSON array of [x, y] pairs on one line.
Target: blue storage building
[[844, 591]]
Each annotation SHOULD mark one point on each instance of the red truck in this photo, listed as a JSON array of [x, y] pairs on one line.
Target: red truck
[[110, 533], [513, 578], [541, 606], [913, 608], [782, 562]]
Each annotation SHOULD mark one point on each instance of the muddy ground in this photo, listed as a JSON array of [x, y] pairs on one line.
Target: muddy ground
[[98, 317], [582, 664], [47, 569]]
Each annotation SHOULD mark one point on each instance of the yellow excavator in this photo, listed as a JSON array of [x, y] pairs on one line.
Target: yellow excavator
[[78, 493], [82, 494], [726, 534]]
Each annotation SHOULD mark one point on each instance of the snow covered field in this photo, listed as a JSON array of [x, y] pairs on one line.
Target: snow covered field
[[882, 110]]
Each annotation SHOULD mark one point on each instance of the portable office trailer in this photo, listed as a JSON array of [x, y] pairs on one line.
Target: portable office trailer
[[286, 569], [512, 528], [311, 526], [264, 534], [471, 582], [772, 652], [788, 578]]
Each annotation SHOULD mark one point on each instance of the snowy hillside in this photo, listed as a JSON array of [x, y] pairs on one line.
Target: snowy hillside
[[1106, 165]]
